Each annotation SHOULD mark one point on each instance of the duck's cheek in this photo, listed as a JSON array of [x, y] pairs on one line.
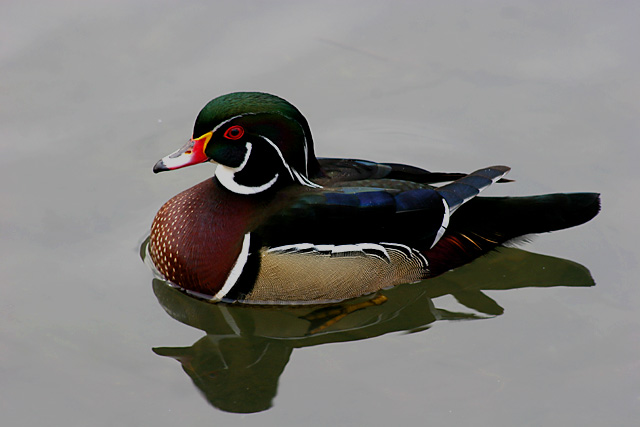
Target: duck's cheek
[[257, 172], [232, 155]]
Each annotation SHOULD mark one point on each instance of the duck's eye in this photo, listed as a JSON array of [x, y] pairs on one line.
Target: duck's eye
[[234, 132]]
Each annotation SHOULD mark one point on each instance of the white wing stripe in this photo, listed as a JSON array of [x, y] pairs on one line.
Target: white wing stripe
[[445, 223]]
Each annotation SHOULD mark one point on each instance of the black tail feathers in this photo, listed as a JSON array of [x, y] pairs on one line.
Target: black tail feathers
[[484, 223], [516, 216]]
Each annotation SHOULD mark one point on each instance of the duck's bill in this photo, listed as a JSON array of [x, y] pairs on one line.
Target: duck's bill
[[191, 153]]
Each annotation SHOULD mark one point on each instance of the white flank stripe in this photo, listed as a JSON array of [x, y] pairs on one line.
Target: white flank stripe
[[236, 271], [295, 247], [345, 248], [362, 249]]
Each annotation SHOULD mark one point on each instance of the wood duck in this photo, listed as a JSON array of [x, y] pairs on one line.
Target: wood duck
[[276, 225]]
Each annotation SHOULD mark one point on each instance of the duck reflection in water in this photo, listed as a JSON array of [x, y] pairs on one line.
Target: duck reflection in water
[[238, 363]]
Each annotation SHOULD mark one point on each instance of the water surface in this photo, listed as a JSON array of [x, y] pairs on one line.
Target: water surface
[[94, 93]]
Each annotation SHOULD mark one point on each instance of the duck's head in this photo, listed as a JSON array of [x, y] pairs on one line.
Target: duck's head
[[258, 140]]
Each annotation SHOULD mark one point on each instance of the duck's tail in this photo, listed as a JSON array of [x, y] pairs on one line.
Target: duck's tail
[[484, 223]]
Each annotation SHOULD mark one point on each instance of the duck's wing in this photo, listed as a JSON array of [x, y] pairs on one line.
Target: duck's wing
[[349, 170], [378, 210]]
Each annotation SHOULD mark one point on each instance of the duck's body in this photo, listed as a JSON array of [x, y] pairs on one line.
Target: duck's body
[[277, 225]]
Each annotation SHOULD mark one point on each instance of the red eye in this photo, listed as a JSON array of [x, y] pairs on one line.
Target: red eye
[[234, 132]]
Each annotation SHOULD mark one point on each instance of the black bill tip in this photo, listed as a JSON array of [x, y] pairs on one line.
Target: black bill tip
[[160, 167]]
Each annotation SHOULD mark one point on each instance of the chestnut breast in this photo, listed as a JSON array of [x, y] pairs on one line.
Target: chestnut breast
[[197, 236]]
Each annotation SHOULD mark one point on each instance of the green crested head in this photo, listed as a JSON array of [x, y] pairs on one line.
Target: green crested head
[[258, 141], [235, 104]]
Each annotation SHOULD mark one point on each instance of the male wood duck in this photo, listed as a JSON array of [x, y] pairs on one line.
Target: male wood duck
[[276, 225]]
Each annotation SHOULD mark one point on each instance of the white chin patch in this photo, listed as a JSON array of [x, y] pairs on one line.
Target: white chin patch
[[226, 176]]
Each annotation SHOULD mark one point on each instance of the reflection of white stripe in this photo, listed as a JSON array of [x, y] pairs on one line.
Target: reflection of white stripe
[[236, 271], [230, 320]]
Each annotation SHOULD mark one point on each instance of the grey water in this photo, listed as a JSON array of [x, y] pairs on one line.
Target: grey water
[[94, 93]]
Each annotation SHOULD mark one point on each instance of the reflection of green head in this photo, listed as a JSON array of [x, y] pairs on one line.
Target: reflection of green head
[[234, 374]]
